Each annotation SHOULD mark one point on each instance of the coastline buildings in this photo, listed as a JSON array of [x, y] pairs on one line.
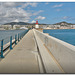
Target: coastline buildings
[[62, 25], [12, 27], [5, 27]]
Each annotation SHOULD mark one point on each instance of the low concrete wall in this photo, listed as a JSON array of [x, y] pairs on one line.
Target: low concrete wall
[[62, 51], [49, 64]]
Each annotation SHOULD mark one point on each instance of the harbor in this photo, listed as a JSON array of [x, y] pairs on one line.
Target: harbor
[[37, 38]]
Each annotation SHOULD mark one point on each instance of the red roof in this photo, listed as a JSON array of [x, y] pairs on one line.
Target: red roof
[[36, 22]]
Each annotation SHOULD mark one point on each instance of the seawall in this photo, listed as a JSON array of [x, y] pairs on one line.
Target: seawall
[[63, 52]]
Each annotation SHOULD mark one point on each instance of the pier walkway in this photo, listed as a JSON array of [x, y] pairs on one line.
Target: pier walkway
[[22, 58], [37, 52]]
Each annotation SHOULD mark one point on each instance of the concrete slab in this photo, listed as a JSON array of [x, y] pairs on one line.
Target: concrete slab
[[50, 63], [21, 59]]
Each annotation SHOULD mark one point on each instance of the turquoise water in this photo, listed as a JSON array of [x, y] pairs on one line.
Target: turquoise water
[[67, 35]]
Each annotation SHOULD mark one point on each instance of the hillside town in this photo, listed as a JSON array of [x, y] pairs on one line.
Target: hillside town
[[61, 25]]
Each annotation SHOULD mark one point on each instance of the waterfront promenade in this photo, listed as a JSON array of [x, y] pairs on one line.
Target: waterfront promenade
[[22, 58]]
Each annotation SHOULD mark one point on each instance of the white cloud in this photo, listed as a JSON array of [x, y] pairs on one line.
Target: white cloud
[[33, 4], [21, 4], [28, 7], [8, 14], [65, 17], [33, 21], [16, 20], [28, 3], [40, 18], [10, 4], [60, 5], [58, 9], [14, 12], [36, 13], [47, 3]]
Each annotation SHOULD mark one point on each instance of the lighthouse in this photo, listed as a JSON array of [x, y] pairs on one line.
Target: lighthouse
[[36, 26]]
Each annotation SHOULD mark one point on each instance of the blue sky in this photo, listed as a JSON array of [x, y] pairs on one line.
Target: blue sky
[[55, 12], [44, 12]]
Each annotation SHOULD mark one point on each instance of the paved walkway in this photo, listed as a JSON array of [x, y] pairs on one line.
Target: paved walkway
[[22, 58]]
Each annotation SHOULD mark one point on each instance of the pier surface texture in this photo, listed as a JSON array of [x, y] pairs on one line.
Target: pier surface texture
[[22, 58], [37, 52]]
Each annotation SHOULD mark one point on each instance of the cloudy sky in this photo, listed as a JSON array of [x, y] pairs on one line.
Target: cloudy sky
[[44, 12]]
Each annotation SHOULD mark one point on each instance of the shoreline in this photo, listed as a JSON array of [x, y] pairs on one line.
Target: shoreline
[[55, 29]]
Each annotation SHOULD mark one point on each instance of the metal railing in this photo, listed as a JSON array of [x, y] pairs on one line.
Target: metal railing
[[9, 41]]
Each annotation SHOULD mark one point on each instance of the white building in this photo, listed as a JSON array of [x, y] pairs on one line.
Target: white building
[[36, 26]]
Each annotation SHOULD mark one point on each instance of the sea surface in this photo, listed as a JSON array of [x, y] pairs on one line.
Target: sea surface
[[5, 34], [67, 35]]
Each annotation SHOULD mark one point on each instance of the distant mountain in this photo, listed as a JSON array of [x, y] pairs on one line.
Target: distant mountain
[[63, 23], [17, 23], [21, 23], [25, 23]]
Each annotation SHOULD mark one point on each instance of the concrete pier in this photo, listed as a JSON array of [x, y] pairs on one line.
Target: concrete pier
[[22, 58], [37, 52], [63, 54]]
